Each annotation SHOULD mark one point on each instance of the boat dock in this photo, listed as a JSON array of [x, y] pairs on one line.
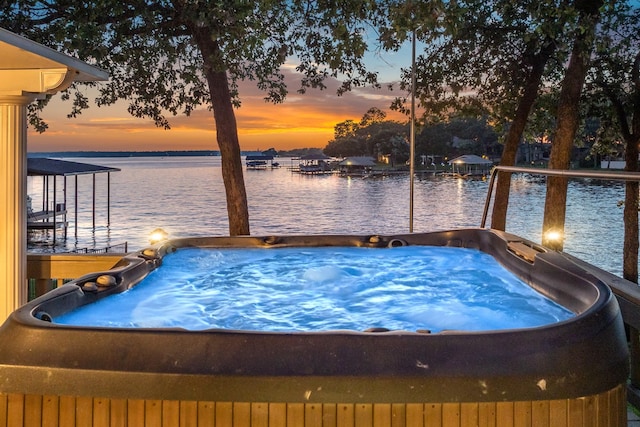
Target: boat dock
[[52, 215], [260, 162], [48, 220]]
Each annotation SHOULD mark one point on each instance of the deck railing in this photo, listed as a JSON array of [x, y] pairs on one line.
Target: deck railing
[[626, 292], [119, 248]]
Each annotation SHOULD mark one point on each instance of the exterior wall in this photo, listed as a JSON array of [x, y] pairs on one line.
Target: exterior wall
[[606, 409]]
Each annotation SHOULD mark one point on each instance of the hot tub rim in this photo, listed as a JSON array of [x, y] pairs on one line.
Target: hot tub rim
[[26, 336]]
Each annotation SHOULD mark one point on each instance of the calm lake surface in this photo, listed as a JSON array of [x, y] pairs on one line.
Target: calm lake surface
[[185, 196]]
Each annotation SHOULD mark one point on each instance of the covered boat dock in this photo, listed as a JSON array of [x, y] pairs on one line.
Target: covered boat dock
[[470, 165], [357, 166], [262, 161], [52, 214]]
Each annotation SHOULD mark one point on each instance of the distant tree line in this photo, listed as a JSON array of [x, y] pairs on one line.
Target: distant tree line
[[377, 137], [372, 136]]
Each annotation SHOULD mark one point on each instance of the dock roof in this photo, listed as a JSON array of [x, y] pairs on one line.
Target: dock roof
[[53, 167], [470, 159], [358, 161], [259, 157]]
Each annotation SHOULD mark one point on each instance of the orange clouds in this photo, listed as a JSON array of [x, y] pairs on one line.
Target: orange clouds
[[301, 121]]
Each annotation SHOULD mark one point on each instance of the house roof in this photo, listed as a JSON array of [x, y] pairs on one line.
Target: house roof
[[20, 53], [53, 167]]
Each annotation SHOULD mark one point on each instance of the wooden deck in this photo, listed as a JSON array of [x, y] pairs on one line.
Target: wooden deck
[[48, 271]]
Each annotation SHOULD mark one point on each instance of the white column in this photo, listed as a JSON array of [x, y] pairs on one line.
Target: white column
[[13, 210]]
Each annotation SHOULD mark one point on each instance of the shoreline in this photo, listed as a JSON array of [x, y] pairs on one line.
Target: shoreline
[[95, 154]]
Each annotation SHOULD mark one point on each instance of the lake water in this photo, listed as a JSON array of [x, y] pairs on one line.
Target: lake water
[[185, 197]]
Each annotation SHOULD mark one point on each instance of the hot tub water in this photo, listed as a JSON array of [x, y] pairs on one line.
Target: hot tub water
[[330, 288]]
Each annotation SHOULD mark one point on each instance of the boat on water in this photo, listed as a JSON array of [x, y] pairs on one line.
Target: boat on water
[[315, 164], [261, 162], [256, 164]]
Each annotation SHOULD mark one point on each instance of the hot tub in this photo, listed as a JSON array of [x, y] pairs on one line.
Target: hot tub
[[571, 372]]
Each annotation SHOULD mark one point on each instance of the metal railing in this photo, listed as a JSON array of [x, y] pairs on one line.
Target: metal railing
[[117, 248], [613, 176], [627, 293]]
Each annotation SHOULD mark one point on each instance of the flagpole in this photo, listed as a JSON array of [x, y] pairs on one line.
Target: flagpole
[[412, 134]]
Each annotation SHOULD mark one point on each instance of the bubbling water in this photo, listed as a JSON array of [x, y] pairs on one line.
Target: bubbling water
[[331, 288]]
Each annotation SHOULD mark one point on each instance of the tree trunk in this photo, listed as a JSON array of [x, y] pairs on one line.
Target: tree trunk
[[227, 134], [631, 134], [567, 125], [501, 201], [630, 251]]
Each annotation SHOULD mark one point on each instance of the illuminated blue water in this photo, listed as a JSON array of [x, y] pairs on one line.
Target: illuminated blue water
[[315, 289], [185, 196]]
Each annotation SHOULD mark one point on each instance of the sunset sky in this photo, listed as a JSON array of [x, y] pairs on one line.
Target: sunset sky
[[301, 121]]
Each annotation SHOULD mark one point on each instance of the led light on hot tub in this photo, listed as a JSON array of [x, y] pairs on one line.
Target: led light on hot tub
[[553, 235], [158, 235]]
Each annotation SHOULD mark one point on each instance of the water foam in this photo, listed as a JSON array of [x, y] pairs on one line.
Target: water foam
[[315, 289]]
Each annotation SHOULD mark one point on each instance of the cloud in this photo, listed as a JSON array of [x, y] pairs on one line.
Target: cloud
[[260, 123]]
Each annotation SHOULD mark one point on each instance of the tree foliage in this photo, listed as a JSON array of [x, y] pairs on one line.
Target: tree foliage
[[472, 135], [476, 60], [372, 136], [613, 82], [390, 138], [496, 57], [613, 89], [169, 57]]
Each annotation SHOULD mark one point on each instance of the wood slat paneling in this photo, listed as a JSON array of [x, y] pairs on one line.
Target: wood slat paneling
[[295, 414], [277, 414], [135, 412], [16, 410], [206, 414], [118, 415], [3, 410], [50, 411]]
